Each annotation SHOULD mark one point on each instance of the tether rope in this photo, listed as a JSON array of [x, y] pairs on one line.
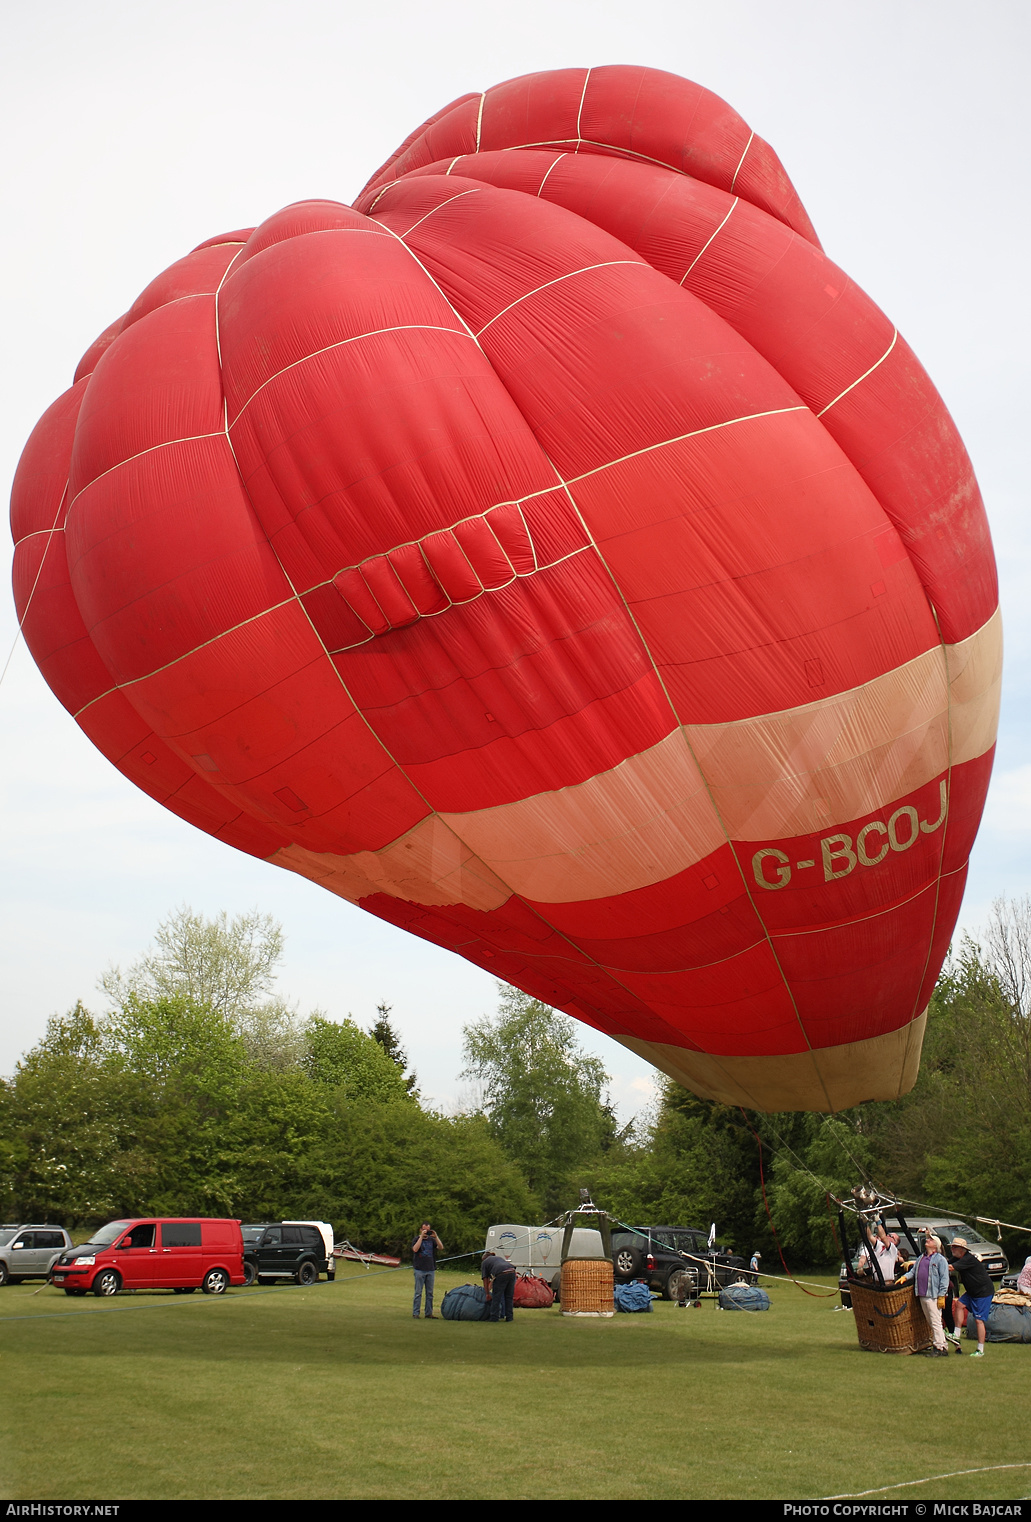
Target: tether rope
[[855, 1495]]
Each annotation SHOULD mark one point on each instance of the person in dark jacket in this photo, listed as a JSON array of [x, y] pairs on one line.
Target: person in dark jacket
[[502, 1275], [424, 1261], [978, 1290]]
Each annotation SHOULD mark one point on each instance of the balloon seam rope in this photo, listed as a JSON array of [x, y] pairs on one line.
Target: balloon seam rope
[[59, 529], [191, 438], [737, 171], [860, 378], [415, 258], [447, 171], [746, 417], [379, 196], [590, 142], [709, 240], [39, 572], [550, 167], [479, 119], [134, 681], [691, 751], [408, 327], [864, 919], [459, 194], [580, 109], [569, 275]]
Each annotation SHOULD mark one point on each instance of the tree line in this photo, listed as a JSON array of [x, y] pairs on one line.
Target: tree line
[[200, 1091]]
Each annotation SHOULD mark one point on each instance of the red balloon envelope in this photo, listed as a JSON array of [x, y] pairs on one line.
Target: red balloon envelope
[[558, 556]]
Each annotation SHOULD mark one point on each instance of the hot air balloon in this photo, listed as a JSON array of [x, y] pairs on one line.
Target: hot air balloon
[[557, 555]]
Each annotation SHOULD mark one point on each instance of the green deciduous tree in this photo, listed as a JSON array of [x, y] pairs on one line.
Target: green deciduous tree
[[343, 1056], [695, 1162], [389, 1167], [543, 1095], [225, 965]]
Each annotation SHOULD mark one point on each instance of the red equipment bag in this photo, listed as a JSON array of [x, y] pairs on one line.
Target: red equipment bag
[[531, 1293]]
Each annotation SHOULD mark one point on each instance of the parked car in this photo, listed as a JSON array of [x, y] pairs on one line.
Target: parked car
[[26, 1252], [673, 1259], [178, 1254], [285, 1250], [947, 1227], [325, 1231]]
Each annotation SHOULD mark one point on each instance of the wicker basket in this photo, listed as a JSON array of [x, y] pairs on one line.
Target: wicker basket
[[587, 1287], [889, 1320]]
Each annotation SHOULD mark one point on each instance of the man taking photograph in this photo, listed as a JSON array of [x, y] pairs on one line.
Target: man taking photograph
[[424, 1261]]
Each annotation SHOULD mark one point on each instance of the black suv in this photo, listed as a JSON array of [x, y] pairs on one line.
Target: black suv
[[276, 1251], [675, 1260]]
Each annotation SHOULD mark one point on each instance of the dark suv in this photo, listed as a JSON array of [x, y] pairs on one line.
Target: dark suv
[[276, 1250], [675, 1259]]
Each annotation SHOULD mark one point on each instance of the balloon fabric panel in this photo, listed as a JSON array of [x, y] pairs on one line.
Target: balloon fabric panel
[[558, 555]]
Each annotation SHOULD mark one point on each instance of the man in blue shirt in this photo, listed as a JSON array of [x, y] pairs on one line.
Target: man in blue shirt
[[424, 1261]]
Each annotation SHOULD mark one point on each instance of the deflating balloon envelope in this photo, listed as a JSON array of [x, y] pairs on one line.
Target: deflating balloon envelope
[[559, 556]]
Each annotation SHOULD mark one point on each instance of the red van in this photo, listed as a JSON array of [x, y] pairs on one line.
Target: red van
[[184, 1254]]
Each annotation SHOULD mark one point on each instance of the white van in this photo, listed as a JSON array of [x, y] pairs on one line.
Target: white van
[[538, 1249]]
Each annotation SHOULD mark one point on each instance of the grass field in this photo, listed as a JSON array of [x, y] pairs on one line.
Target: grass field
[[336, 1392]]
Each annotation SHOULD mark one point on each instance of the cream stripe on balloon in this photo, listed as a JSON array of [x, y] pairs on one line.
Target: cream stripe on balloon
[[652, 816]]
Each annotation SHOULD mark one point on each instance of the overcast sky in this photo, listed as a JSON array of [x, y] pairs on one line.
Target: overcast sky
[[135, 130]]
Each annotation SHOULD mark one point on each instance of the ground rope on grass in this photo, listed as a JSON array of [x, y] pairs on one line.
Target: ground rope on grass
[[856, 1495]]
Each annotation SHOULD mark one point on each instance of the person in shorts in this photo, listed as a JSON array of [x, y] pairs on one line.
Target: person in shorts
[[978, 1290]]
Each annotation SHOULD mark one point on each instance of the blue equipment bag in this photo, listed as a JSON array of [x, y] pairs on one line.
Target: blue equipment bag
[[466, 1302], [744, 1297], [632, 1297]]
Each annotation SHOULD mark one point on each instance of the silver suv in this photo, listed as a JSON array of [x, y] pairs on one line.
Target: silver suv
[[26, 1252], [945, 1228]]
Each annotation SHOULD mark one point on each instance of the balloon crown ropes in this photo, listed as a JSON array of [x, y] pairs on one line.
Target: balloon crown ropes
[[556, 554]]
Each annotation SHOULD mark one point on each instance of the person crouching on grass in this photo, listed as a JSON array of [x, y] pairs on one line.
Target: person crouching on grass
[[978, 1290], [424, 1261], [502, 1275]]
